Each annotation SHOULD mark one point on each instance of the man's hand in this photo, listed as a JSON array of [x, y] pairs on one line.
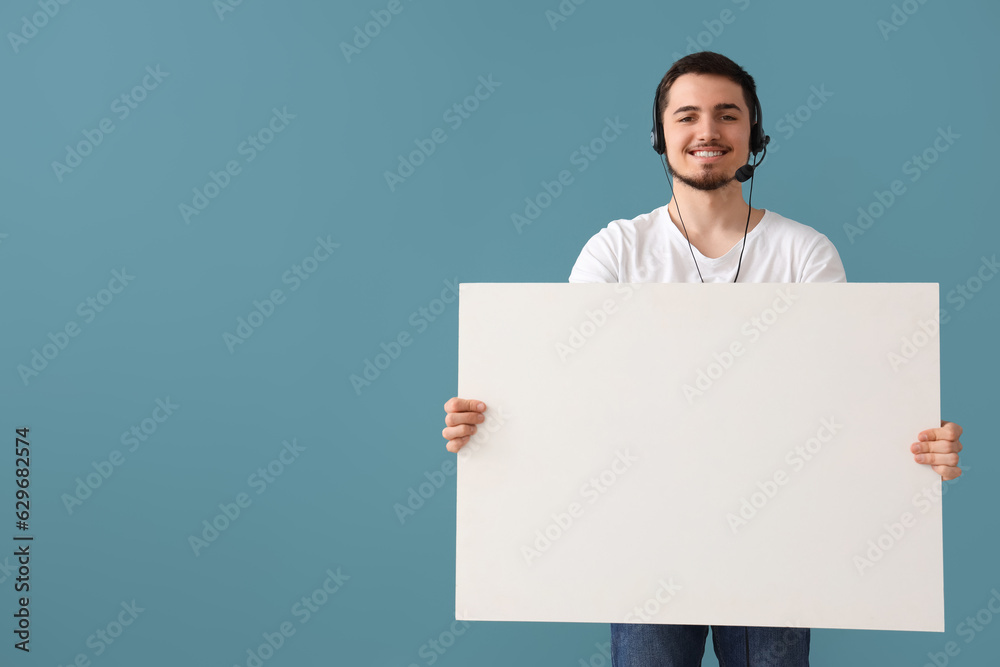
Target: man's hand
[[939, 448], [462, 415]]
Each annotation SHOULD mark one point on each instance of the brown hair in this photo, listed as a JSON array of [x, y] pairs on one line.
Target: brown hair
[[707, 62]]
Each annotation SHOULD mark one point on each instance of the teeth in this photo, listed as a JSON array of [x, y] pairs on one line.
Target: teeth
[[707, 153]]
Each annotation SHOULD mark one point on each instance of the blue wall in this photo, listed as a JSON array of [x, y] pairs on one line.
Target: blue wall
[[171, 170]]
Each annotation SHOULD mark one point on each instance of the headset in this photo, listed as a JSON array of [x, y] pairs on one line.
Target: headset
[[758, 143]]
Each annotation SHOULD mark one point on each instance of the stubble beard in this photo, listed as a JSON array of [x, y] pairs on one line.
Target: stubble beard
[[709, 178]]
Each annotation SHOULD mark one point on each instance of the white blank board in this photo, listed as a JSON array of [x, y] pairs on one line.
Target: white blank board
[[711, 454]]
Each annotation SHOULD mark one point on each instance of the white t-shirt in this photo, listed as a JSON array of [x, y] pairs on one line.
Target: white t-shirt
[[650, 248]]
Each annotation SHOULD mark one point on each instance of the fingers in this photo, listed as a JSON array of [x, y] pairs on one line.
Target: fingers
[[457, 404], [460, 431], [948, 431], [454, 445], [953, 428], [941, 455], [456, 418], [462, 416], [936, 446], [937, 459], [947, 472], [939, 448]]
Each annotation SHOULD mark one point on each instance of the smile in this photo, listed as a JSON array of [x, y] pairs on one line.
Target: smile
[[708, 156]]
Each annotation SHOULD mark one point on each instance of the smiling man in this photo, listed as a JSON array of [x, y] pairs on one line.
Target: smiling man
[[705, 112], [707, 124]]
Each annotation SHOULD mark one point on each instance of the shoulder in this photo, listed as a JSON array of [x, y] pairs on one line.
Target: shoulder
[[602, 255], [812, 251], [625, 231], [792, 229], [795, 235]]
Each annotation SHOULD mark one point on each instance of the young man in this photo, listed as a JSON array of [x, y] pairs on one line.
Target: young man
[[708, 116]]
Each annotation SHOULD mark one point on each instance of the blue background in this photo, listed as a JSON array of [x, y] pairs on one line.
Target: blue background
[[323, 176]]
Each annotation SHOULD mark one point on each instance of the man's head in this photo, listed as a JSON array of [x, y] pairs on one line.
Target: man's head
[[706, 101]]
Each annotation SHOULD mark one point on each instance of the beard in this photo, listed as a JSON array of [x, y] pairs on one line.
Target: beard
[[710, 178]]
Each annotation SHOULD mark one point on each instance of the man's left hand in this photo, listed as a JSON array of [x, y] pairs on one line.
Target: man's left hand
[[939, 448]]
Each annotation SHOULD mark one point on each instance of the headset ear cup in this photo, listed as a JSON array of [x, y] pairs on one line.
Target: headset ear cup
[[757, 135], [656, 135]]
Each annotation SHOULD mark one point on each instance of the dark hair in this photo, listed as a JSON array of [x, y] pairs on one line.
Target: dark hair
[[708, 62]]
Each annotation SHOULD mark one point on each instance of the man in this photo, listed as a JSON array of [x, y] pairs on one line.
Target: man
[[706, 106]]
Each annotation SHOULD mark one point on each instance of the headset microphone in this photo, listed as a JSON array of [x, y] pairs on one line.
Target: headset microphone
[[745, 173]]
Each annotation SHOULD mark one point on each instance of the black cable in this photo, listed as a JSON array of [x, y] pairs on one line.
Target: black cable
[[677, 204]]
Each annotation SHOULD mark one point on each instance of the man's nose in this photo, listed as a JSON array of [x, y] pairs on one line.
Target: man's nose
[[708, 128]]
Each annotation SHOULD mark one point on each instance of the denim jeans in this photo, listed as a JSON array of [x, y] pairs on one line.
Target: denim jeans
[[655, 645]]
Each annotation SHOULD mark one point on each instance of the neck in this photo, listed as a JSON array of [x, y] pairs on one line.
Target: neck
[[708, 213]]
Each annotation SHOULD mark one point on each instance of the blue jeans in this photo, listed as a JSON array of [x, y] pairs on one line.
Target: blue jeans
[[655, 645]]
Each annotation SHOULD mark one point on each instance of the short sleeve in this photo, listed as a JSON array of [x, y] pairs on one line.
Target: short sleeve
[[597, 262], [823, 264]]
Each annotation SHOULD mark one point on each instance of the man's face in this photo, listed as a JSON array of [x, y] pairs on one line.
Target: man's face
[[706, 112]]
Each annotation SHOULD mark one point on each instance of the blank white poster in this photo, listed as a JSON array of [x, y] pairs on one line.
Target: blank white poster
[[710, 454]]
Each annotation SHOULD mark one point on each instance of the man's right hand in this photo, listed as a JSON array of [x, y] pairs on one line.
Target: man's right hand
[[462, 416]]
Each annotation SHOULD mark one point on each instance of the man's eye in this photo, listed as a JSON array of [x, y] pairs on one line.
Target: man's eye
[[685, 118], [733, 117]]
